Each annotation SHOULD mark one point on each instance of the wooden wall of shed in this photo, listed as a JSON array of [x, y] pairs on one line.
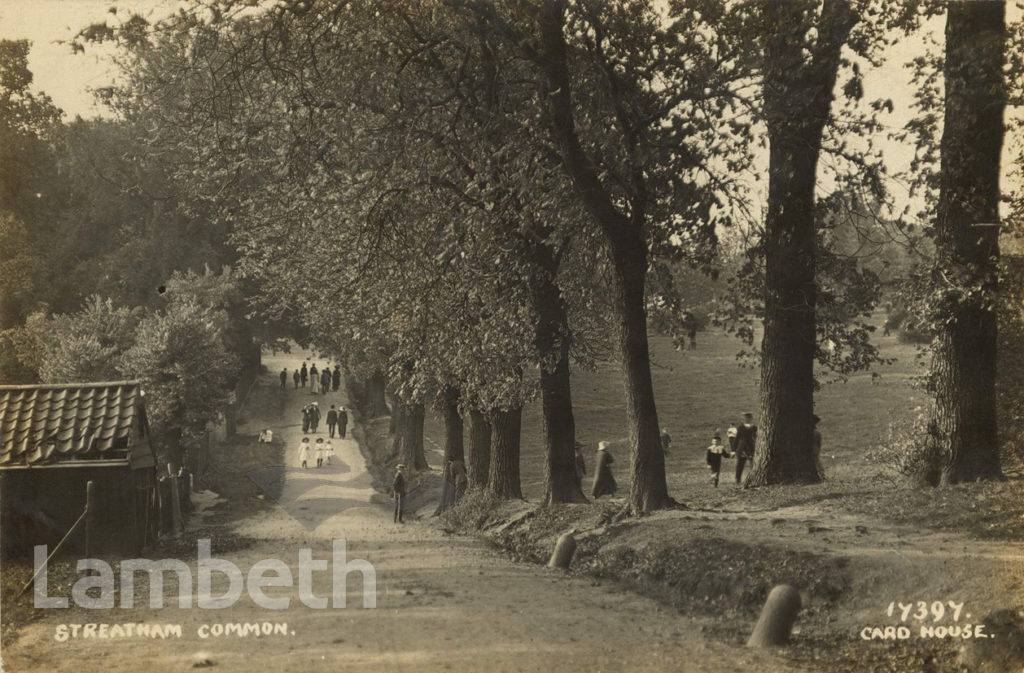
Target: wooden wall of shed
[[39, 506]]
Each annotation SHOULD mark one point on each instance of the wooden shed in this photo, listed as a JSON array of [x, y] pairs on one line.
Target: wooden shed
[[56, 438]]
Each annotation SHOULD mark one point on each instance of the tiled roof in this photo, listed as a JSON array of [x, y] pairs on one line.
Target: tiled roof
[[58, 423]]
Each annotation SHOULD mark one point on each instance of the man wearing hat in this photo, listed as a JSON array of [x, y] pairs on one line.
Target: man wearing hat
[[746, 437], [398, 488]]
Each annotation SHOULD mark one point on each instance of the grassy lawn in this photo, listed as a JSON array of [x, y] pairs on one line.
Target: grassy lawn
[[705, 389]]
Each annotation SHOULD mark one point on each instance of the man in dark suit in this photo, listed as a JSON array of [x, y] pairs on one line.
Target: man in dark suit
[[342, 422], [746, 437], [332, 420], [398, 489]]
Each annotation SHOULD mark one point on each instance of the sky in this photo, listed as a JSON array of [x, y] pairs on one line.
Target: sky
[[67, 77]]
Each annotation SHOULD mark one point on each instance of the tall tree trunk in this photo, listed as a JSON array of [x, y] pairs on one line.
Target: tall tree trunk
[[648, 488], [398, 429], [376, 405], [453, 443], [454, 430], [552, 340], [503, 478], [964, 360], [625, 237], [798, 83], [479, 448], [412, 437]]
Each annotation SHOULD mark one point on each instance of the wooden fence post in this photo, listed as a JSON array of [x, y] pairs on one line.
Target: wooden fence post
[[90, 517]]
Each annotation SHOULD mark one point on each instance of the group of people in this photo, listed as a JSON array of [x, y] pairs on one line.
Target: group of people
[[321, 450], [742, 437], [321, 381]]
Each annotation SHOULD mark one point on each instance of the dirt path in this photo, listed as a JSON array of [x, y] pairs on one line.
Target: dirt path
[[442, 603]]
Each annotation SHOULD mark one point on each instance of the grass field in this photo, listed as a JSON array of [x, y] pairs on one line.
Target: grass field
[[699, 391]]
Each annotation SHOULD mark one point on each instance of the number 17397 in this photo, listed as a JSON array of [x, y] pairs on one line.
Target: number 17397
[[922, 611]]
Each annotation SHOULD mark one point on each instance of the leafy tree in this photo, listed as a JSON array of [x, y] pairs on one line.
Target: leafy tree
[[967, 242], [180, 357]]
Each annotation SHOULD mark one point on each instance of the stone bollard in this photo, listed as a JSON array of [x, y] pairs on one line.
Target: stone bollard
[[777, 617], [564, 549]]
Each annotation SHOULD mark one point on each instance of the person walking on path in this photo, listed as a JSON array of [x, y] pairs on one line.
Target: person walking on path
[[284, 379], [325, 381], [604, 482], [398, 490], [314, 380], [304, 373], [320, 455], [746, 437], [307, 419], [314, 417], [336, 378], [342, 422], [328, 452], [332, 421], [304, 456], [714, 457], [295, 378]]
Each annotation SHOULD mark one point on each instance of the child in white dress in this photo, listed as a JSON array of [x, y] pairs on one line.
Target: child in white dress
[[304, 456]]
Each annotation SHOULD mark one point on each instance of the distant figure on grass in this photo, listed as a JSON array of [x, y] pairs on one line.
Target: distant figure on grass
[[746, 438], [342, 422], [714, 457], [816, 448], [266, 437], [332, 420], [604, 482], [581, 466], [398, 489], [314, 380], [304, 373], [325, 381], [690, 325], [336, 378], [307, 418], [320, 453], [304, 456], [284, 378], [666, 441], [296, 377], [314, 417]]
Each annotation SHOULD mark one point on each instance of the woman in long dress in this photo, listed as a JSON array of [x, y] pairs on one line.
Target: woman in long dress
[[604, 482]]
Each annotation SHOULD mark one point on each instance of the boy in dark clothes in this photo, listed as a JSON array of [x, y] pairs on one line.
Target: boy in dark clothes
[[304, 374], [746, 437], [714, 457], [284, 378], [398, 489], [295, 378]]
